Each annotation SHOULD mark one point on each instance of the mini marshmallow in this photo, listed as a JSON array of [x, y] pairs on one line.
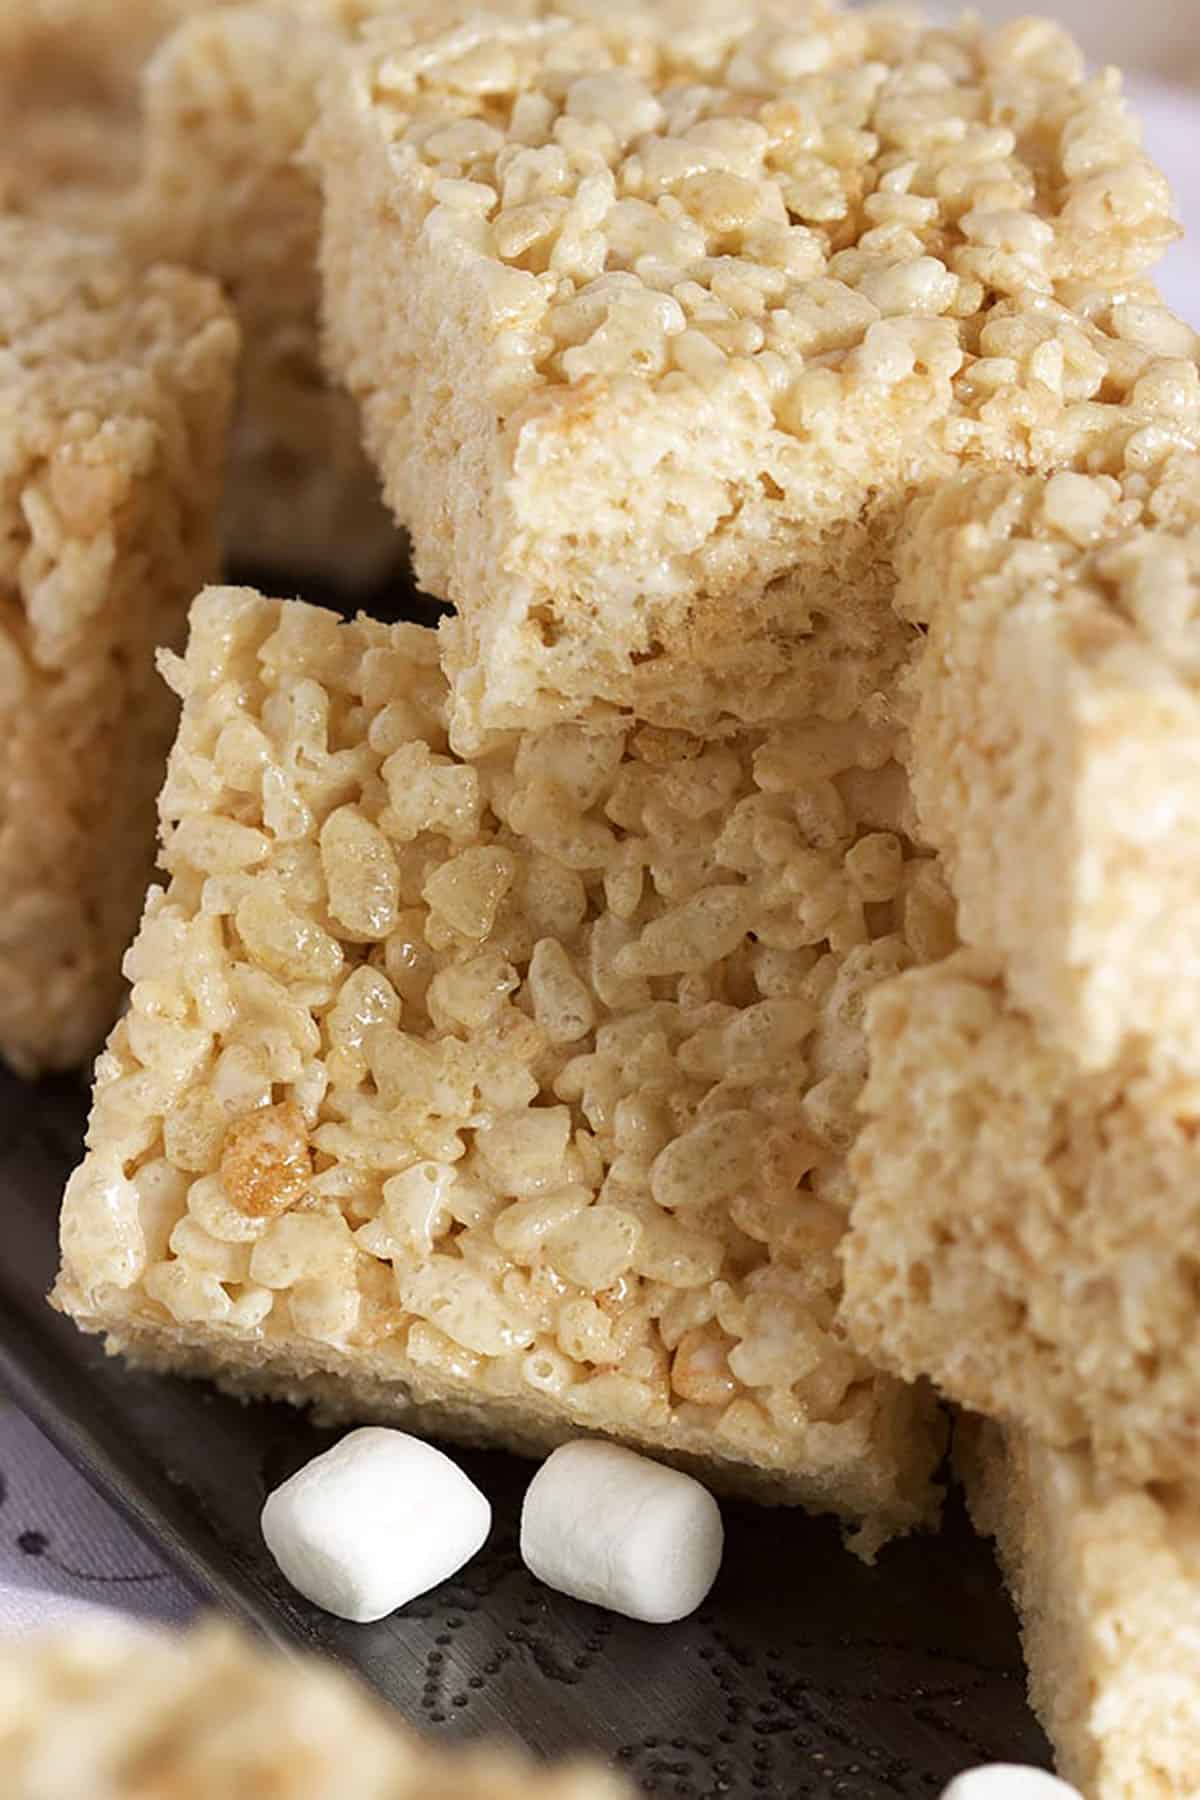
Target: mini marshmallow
[[372, 1523], [1009, 1781], [605, 1525]]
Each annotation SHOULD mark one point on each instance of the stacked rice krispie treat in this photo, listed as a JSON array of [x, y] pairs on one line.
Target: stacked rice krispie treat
[[1024, 1232], [112, 1713], [1056, 730], [657, 325], [1107, 1580], [115, 392], [780, 397], [722, 308], [508, 1098], [1024, 1228]]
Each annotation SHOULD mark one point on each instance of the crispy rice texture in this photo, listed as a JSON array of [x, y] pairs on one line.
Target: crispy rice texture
[[115, 390], [1055, 750], [110, 1712], [508, 1099], [229, 100], [658, 317], [1024, 1233], [1107, 1582], [69, 137]]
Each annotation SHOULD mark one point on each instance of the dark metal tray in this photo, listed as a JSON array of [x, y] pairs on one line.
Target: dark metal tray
[[805, 1675]]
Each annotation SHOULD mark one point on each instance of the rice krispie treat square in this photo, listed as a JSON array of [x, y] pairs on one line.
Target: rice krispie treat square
[[103, 1711], [508, 1099], [115, 390], [1055, 752], [658, 315], [1106, 1578], [1024, 1233], [228, 102]]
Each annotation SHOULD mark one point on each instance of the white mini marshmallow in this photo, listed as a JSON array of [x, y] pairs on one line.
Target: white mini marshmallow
[[1009, 1781], [372, 1523], [603, 1524]]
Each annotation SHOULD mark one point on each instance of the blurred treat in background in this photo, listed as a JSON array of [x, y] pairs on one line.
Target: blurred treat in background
[[1158, 38], [1157, 44]]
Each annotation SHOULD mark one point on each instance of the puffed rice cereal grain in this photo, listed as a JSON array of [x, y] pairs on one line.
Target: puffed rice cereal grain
[[569, 1037], [658, 316], [110, 1712], [1055, 751], [1024, 1233], [115, 391], [1107, 1581]]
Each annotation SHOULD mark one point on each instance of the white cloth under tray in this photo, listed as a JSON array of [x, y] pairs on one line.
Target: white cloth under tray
[[63, 1551]]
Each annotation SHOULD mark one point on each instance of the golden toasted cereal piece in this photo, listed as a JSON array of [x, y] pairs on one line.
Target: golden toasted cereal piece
[[658, 316], [507, 1098], [115, 392], [115, 1713], [1107, 1581]]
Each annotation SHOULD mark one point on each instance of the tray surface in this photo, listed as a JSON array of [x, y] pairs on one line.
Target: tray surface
[[806, 1674]]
